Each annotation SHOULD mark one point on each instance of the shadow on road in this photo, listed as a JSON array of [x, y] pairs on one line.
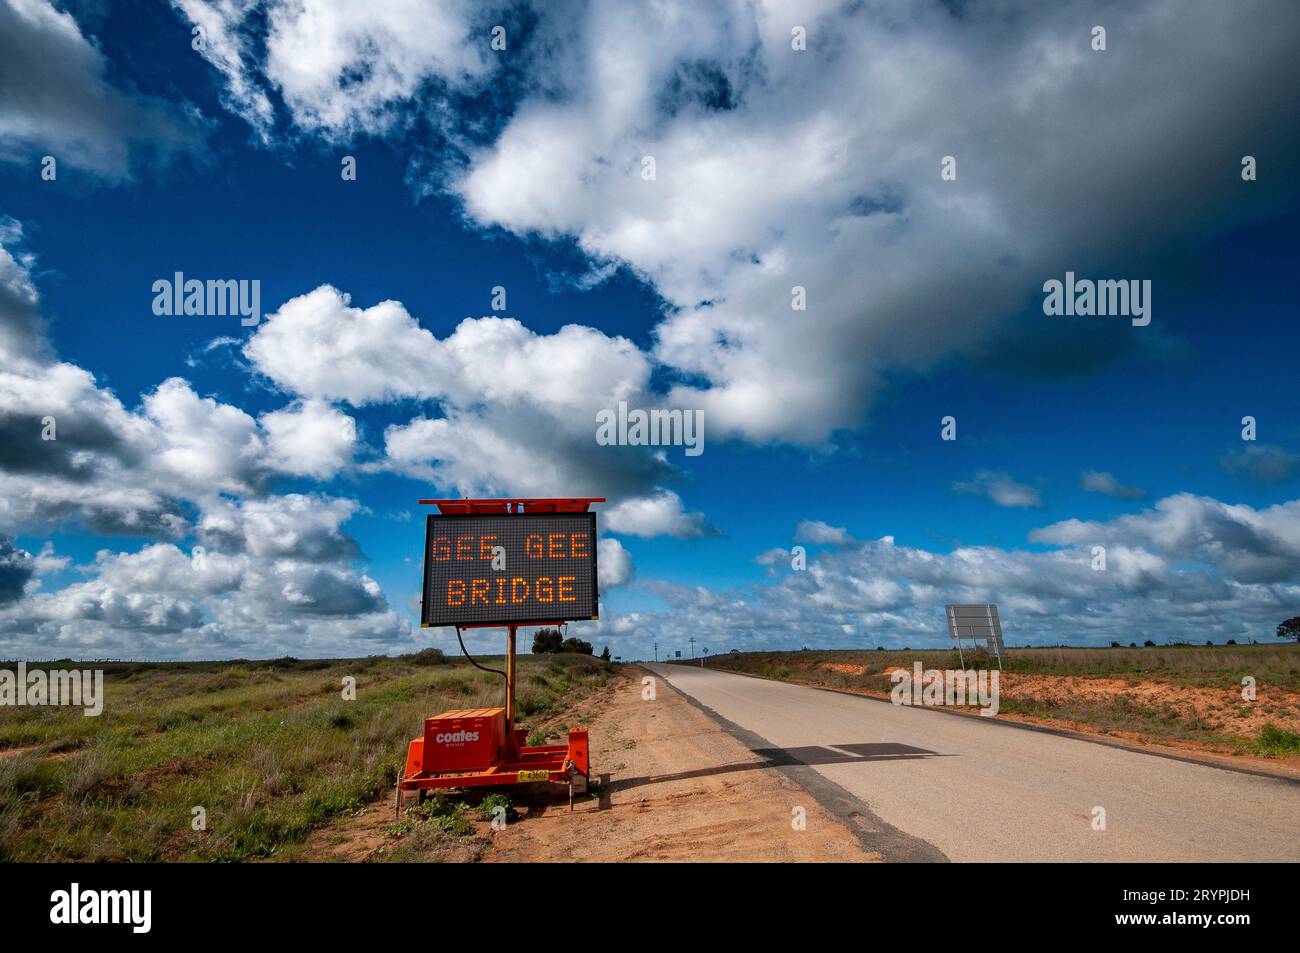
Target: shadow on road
[[786, 757]]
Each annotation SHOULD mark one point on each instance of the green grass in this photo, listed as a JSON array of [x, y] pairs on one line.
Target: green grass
[[268, 749], [1274, 742], [488, 806]]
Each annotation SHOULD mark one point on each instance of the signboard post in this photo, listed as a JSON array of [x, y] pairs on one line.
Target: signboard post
[[978, 623]]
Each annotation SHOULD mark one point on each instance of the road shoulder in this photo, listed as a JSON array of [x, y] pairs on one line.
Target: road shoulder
[[678, 785]]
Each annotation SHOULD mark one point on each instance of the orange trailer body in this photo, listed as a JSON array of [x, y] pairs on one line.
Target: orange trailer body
[[512, 763]]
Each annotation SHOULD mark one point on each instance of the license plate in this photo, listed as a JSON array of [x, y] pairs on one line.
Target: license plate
[[533, 776]]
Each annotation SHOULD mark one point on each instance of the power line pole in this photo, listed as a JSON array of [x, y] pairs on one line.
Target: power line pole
[[692, 641], [656, 651]]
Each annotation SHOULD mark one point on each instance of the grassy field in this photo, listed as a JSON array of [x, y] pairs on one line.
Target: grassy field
[[269, 749], [1186, 694]]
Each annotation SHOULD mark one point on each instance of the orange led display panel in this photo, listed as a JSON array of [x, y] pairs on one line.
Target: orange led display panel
[[499, 568]]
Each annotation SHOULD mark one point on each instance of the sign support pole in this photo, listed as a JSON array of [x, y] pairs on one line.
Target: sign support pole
[[510, 682]]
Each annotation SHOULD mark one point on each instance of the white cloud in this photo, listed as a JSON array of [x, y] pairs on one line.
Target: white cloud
[[295, 525], [202, 444], [660, 514], [309, 438], [1001, 489], [1097, 481], [269, 577], [22, 331], [518, 408], [1191, 568], [821, 169], [58, 100], [817, 532], [268, 574], [1245, 543], [317, 345], [340, 68], [778, 168], [614, 562], [227, 48]]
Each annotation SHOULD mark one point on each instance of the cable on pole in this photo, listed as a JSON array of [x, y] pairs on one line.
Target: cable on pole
[[465, 652]]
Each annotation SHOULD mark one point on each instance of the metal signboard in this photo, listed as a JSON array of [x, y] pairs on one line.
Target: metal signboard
[[503, 568], [976, 623]]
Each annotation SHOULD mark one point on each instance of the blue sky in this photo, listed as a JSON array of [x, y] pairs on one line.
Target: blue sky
[[292, 453]]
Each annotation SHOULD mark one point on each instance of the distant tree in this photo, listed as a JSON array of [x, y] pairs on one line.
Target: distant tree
[[576, 646], [1290, 629], [1208, 642], [429, 656], [1231, 642], [547, 641], [1114, 645], [1132, 645], [604, 655], [1149, 644]]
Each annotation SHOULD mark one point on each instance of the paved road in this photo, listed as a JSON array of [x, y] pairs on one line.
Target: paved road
[[979, 789]]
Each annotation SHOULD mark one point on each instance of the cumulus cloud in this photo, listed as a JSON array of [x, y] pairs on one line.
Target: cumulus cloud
[[518, 409], [1256, 546], [819, 169], [1099, 481], [614, 564], [301, 526], [22, 331], [57, 99], [267, 573], [340, 69], [17, 567], [659, 515], [72, 453], [1190, 568], [309, 438], [318, 346], [817, 532], [1001, 489], [777, 169]]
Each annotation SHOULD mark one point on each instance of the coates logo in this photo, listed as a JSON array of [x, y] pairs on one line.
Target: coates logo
[[455, 737]]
